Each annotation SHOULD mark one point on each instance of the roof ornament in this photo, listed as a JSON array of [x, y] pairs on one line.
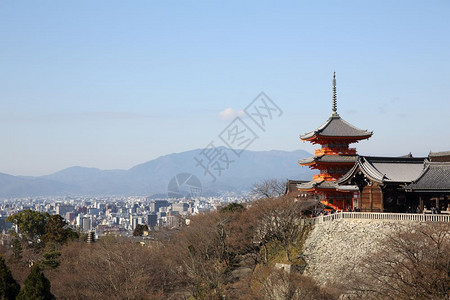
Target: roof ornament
[[334, 108]]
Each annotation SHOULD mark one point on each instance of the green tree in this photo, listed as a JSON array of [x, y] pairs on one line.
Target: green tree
[[36, 227], [57, 231], [31, 224], [233, 207], [50, 259], [139, 230], [36, 286], [9, 288], [17, 249]]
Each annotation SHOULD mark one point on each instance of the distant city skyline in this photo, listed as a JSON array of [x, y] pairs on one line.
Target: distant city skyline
[[111, 84]]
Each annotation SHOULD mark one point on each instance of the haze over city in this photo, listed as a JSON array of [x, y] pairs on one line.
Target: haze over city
[[110, 84]]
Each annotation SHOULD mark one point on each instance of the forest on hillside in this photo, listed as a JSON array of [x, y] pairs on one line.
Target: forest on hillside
[[238, 252]]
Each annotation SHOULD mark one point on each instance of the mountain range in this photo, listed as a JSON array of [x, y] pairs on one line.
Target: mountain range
[[237, 174]]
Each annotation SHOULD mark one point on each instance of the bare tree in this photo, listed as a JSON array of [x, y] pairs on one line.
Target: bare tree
[[288, 285], [269, 188], [199, 250], [113, 268], [413, 264], [281, 220]]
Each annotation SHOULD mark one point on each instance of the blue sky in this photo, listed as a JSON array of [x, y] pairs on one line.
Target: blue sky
[[111, 84]]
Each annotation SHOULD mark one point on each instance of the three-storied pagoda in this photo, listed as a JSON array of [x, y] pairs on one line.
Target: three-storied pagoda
[[333, 159]]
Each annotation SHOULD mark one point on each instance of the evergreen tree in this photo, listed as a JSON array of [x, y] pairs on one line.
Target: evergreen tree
[[233, 207], [31, 224], [139, 230], [51, 259], [57, 231], [36, 286], [9, 288], [16, 246]]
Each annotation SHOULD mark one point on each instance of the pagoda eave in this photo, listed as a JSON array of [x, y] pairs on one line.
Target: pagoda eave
[[324, 139], [319, 189], [330, 164], [307, 190], [328, 160], [307, 164]]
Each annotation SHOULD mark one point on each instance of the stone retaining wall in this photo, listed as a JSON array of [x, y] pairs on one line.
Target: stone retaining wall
[[333, 248]]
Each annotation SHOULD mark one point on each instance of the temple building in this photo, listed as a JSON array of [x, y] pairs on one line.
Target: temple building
[[432, 187], [334, 159], [347, 181], [400, 184], [380, 182]]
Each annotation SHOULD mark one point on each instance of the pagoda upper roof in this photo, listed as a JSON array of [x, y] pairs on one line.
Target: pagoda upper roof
[[336, 127], [329, 159]]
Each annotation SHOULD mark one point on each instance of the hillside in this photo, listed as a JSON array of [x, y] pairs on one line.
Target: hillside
[[264, 250], [18, 186]]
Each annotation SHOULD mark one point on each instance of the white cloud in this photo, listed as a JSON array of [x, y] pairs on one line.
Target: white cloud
[[229, 113]]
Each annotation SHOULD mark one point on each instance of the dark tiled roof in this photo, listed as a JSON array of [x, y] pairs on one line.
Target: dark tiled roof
[[317, 184], [436, 176], [387, 169], [335, 126], [440, 156], [443, 153], [329, 159], [306, 186], [291, 185]]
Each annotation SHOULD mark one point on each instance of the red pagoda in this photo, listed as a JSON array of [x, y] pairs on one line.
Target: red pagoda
[[333, 159]]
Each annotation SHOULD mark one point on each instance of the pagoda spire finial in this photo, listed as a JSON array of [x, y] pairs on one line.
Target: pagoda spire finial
[[334, 107]]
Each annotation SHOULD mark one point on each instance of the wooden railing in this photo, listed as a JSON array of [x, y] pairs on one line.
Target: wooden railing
[[380, 216]]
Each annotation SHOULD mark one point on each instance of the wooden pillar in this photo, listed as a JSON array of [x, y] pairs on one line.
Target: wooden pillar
[[420, 203], [358, 200]]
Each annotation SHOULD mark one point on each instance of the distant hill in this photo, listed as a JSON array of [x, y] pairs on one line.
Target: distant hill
[[18, 186], [152, 177]]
